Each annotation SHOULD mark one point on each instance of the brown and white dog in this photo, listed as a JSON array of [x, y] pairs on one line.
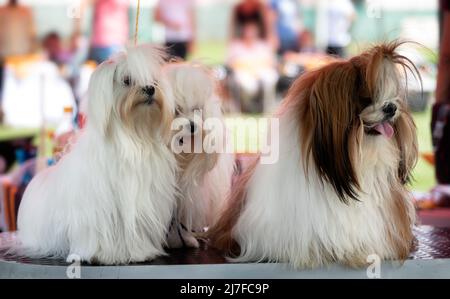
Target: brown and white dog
[[337, 193]]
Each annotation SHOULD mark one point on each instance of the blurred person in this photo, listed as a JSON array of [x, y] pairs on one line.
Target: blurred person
[[440, 122], [55, 50], [288, 24], [252, 11], [1, 89], [293, 64], [69, 57], [109, 27], [178, 17], [341, 14], [253, 64], [307, 44], [17, 33]]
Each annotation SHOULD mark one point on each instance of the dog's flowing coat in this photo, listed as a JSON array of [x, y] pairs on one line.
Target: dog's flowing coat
[[337, 193], [111, 197], [204, 179]]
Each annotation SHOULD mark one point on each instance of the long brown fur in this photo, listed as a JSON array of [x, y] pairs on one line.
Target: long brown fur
[[331, 134]]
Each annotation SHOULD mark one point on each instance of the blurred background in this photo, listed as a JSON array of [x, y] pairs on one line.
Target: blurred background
[[49, 49]]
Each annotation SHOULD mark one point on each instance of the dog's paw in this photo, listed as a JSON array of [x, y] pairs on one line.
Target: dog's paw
[[179, 237], [190, 240]]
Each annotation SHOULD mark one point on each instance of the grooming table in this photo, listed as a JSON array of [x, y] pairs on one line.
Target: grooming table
[[431, 259]]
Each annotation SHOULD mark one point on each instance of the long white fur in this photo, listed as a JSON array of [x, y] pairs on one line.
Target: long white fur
[[206, 181], [292, 216], [108, 200]]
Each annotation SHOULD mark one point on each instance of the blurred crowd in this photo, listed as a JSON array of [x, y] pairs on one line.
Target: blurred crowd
[[263, 36], [44, 79]]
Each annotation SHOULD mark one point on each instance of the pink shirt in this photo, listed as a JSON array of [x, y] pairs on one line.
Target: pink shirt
[[178, 12], [110, 23]]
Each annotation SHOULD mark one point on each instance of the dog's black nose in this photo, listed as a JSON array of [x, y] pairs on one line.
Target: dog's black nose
[[193, 127], [149, 90], [390, 109]]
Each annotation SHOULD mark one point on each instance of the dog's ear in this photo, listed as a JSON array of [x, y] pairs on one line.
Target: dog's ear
[[406, 137], [334, 127], [101, 97], [383, 72], [167, 109]]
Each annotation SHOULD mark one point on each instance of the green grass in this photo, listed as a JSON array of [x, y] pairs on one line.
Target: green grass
[[423, 174], [8, 133], [211, 53]]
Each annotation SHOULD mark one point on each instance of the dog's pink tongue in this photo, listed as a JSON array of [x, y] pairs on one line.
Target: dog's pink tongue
[[385, 129]]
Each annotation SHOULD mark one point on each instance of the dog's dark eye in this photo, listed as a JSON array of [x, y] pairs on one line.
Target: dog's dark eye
[[127, 81], [365, 101]]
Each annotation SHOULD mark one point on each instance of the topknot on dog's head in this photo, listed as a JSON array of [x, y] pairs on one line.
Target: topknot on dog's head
[[380, 59], [190, 81], [140, 66], [194, 86], [145, 62]]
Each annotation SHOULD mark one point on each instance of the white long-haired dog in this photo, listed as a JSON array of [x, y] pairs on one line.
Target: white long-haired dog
[[337, 193], [110, 199], [204, 177]]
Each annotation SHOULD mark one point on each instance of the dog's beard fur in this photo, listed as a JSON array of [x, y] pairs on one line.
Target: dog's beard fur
[[204, 179], [337, 193], [110, 199]]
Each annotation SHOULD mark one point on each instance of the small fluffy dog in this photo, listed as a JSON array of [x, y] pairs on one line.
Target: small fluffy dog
[[110, 199], [337, 193], [204, 178]]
